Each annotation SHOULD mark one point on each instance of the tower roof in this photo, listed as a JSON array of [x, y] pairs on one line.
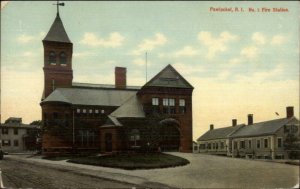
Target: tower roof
[[57, 32]]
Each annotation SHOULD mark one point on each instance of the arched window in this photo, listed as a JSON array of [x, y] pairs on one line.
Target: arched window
[[52, 57], [62, 58]]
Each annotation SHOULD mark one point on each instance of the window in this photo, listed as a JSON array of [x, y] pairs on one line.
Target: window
[[96, 111], [279, 142], [16, 131], [222, 145], [90, 111], [209, 146], [155, 105], [258, 143], [155, 101], [182, 106], [5, 142], [16, 143], [52, 58], [134, 136], [214, 145], [102, 111], [84, 111], [217, 145], [242, 144], [62, 58], [202, 146], [5, 131], [249, 144], [294, 128], [78, 111], [266, 143], [234, 145], [172, 105], [169, 105]]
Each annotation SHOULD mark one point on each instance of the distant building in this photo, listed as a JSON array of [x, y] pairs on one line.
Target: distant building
[[254, 140], [18, 137], [217, 141], [110, 118], [195, 147], [265, 140]]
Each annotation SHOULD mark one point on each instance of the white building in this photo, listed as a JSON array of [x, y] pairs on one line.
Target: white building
[[16, 136]]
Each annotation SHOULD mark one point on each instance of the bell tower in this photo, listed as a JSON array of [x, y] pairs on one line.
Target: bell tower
[[58, 50]]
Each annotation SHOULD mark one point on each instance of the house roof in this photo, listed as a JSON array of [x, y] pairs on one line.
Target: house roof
[[219, 133], [96, 97], [131, 108], [168, 77], [103, 86], [24, 126], [57, 32], [264, 128]]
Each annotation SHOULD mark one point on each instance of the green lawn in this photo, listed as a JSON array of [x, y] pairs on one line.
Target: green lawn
[[133, 161]]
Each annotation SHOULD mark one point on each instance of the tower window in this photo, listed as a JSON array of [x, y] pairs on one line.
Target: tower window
[[52, 57], [169, 105], [182, 108], [62, 58]]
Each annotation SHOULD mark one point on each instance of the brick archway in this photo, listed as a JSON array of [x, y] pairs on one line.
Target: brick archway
[[170, 135]]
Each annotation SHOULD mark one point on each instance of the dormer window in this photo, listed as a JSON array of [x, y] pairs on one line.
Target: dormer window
[[62, 59], [52, 58]]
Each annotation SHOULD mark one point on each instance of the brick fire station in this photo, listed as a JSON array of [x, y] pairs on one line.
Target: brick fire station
[[111, 118]]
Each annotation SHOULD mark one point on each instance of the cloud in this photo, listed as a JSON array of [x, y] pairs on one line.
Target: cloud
[[82, 54], [149, 44], [186, 51], [139, 62], [259, 38], [250, 52], [114, 40], [234, 61], [187, 69], [216, 45], [28, 54], [278, 40], [262, 76], [25, 38]]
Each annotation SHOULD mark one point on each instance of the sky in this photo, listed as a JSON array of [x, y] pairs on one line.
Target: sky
[[239, 63]]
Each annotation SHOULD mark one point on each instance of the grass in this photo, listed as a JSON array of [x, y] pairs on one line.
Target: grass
[[133, 161]]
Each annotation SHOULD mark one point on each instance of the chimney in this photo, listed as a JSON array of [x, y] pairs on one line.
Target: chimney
[[234, 122], [211, 126], [250, 119], [289, 111], [120, 77]]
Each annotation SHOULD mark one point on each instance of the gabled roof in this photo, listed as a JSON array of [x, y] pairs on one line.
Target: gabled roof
[[57, 32], [131, 108], [220, 133], [96, 97], [168, 77], [264, 128]]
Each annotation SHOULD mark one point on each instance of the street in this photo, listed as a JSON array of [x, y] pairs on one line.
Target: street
[[204, 171], [17, 174]]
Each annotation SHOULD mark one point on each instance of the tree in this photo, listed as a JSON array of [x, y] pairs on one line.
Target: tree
[[291, 145]]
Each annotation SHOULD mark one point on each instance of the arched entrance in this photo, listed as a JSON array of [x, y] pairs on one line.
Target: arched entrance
[[170, 135]]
